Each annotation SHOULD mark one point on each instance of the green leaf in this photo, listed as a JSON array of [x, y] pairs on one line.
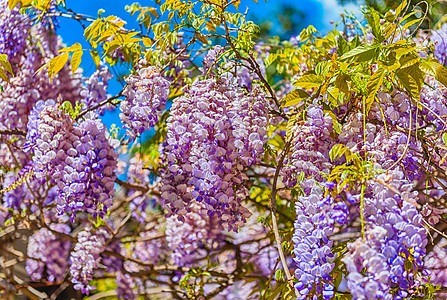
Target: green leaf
[[95, 57], [402, 49], [57, 63], [309, 81], [278, 274], [333, 93], [355, 42], [342, 46], [409, 23], [336, 125], [12, 3], [3, 75], [278, 290], [373, 86], [76, 60], [408, 60], [362, 53], [444, 138], [401, 7], [289, 128], [74, 47], [295, 97], [92, 30], [341, 82], [5, 63], [337, 151], [322, 68], [390, 29], [373, 19], [434, 68], [412, 79]]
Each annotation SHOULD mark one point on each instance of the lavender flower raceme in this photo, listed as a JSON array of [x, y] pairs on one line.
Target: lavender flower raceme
[[439, 37], [48, 254], [214, 132], [310, 147], [395, 243], [85, 258], [138, 174], [14, 30], [78, 159], [190, 239], [316, 216], [87, 179], [436, 262], [124, 286], [95, 89], [146, 95]]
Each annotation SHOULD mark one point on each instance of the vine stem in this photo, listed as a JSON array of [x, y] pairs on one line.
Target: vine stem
[[362, 210], [12, 132], [109, 100], [273, 212]]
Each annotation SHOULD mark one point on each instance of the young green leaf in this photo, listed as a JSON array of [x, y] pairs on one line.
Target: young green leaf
[[337, 151], [295, 97], [56, 64], [5, 63], [309, 81], [412, 79], [373, 86], [95, 57], [3, 75], [362, 53], [434, 68], [342, 46], [76, 60], [373, 19], [74, 47]]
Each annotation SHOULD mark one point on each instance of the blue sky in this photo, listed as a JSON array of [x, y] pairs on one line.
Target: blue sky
[[316, 12]]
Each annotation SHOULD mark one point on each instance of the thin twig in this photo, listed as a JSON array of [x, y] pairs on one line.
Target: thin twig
[[274, 222]]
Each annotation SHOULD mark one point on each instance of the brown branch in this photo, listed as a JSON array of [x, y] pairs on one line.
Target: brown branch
[[274, 222], [12, 132], [102, 103]]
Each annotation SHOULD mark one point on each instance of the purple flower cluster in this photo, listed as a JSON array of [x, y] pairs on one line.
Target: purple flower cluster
[[87, 179], [95, 89], [124, 286], [211, 60], [85, 258], [48, 253], [16, 198], [78, 159], [14, 30], [310, 147], [362, 257], [150, 247], [214, 132], [17, 100], [50, 135], [436, 262], [29, 47], [395, 241], [146, 95], [316, 216], [112, 263], [192, 238], [137, 173], [439, 38]]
